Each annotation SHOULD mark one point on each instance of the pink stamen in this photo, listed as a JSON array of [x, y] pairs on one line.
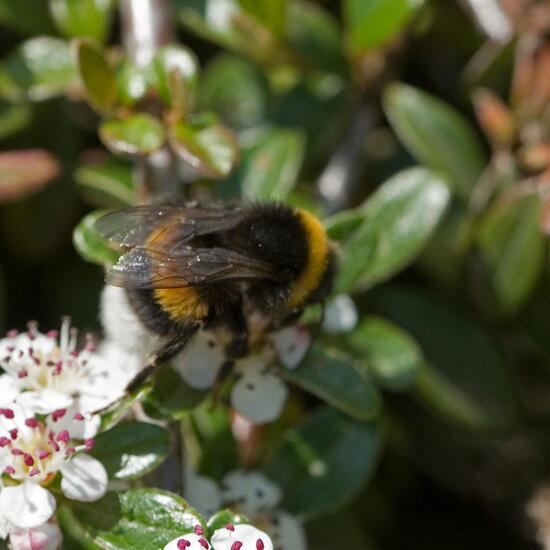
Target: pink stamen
[[78, 416], [9, 470], [31, 422], [8, 413], [58, 367], [13, 433], [34, 472], [63, 436], [52, 333], [42, 454], [70, 451], [230, 527], [12, 333], [10, 349], [54, 445], [89, 444], [59, 413], [199, 530], [237, 545], [4, 441], [17, 452], [28, 459], [260, 544], [182, 544], [22, 373], [204, 543]]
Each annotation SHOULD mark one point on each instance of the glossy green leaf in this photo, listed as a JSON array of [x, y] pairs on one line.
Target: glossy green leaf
[[332, 376], [90, 244], [271, 13], [26, 171], [139, 134], [139, 518], [342, 224], [212, 150], [235, 89], [176, 69], [108, 183], [465, 379], [325, 462], [514, 250], [171, 397], [436, 134], [271, 167], [13, 118], [372, 23], [26, 16], [133, 83], [97, 76], [398, 220], [314, 35], [83, 18], [392, 356], [38, 69], [131, 449]]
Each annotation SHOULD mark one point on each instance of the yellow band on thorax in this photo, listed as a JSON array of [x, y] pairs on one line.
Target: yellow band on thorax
[[315, 267]]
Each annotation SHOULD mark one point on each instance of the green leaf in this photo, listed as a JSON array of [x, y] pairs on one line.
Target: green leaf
[[332, 376], [436, 134], [171, 397], [325, 462], [372, 23], [398, 220], [271, 167], [83, 18], [131, 449], [271, 13], [212, 150], [465, 379], [176, 69], [235, 89], [133, 83], [90, 244], [24, 172], [341, 225], [40, 68], [26, 16], [108, 183], [392, 355], [313, 33], [13, 118], [514, 250], [97, 76], [139, 518], [139, 134]]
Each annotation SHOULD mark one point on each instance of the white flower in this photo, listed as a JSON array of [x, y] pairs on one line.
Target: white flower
[[249, 537], [32, 454], [250, 493], [259, 394], [188, 542], [341, 315], [46, 373], [44, 537]]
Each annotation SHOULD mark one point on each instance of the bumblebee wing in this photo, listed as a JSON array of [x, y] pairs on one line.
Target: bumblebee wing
[[142, 268], [163, 227]]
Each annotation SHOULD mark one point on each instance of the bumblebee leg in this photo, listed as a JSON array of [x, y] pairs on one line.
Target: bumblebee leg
[[238, 347], [166, 352]]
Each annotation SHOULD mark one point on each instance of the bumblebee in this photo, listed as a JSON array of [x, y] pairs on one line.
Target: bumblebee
[[188, 267]]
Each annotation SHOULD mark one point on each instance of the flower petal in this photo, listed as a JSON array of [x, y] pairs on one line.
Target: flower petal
[[44, 537], [258, 395], [79, 429], [44, 401], [202, 493], [84, 479], [27, 505], [194, 542], [250, 492], [201, 361], [340, 315], [291, 343], [10, 388], [248, 535], [287, 531]]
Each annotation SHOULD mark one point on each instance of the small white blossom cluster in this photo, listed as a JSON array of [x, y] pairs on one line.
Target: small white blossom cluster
[[228, 537], [250, 493], [49, 391]]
